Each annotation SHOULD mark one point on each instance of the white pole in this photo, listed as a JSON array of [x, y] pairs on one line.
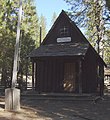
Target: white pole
[[14, 76]]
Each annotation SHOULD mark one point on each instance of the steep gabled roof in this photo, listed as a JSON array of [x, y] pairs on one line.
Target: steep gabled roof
[[69, 49], [64, 16]]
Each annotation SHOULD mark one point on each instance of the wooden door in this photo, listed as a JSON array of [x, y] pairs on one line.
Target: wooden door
[[69, 77]]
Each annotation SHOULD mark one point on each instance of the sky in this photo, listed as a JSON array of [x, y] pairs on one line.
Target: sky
[[48, 7]]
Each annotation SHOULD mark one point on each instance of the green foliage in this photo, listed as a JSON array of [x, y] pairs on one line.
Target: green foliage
[[28, 39], [93, 16], [7, 36], [106, 49], [77, 12]]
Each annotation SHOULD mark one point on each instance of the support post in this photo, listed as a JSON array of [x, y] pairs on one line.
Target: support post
[[32, 75], [101, 74], [26, 72], [35, 76], [80, 77]]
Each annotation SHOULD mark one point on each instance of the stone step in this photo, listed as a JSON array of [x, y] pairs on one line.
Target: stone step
[[59, 96]]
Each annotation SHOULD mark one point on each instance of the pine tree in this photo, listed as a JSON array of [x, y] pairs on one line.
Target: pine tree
[[28, 40], [7, 36], [92, 15]]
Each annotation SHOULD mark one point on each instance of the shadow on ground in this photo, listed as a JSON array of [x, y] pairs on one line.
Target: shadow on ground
[[58, 110], [70, 110]]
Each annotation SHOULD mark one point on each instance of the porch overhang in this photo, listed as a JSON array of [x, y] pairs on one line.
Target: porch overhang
[[60, 50]]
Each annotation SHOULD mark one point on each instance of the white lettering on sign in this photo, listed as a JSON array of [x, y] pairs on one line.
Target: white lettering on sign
[[64, 39]]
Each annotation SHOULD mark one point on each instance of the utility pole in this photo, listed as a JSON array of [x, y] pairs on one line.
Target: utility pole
[[12, 95]]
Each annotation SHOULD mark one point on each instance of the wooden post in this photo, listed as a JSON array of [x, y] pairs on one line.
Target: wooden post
[[15, 64], [12, 95], [80, 77], [12, 99], [26, 72], [101, 74], [33, 75]]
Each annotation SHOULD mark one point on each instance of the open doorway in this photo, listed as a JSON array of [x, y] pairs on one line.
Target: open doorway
[[69, 77]]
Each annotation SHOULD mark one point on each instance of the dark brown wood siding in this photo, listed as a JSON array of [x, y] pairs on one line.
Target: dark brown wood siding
[[89, 73], [49, 76], [75, 35]]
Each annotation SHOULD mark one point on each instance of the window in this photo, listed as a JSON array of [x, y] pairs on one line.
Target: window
[[64, 32]]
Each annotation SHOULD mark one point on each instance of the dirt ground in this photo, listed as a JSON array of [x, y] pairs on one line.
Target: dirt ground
[[58, 110]]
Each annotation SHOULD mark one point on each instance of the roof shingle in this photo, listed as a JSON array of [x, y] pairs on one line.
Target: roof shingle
[[68, 49]]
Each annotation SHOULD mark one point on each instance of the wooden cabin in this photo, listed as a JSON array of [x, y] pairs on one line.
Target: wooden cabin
[[66, 62]]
